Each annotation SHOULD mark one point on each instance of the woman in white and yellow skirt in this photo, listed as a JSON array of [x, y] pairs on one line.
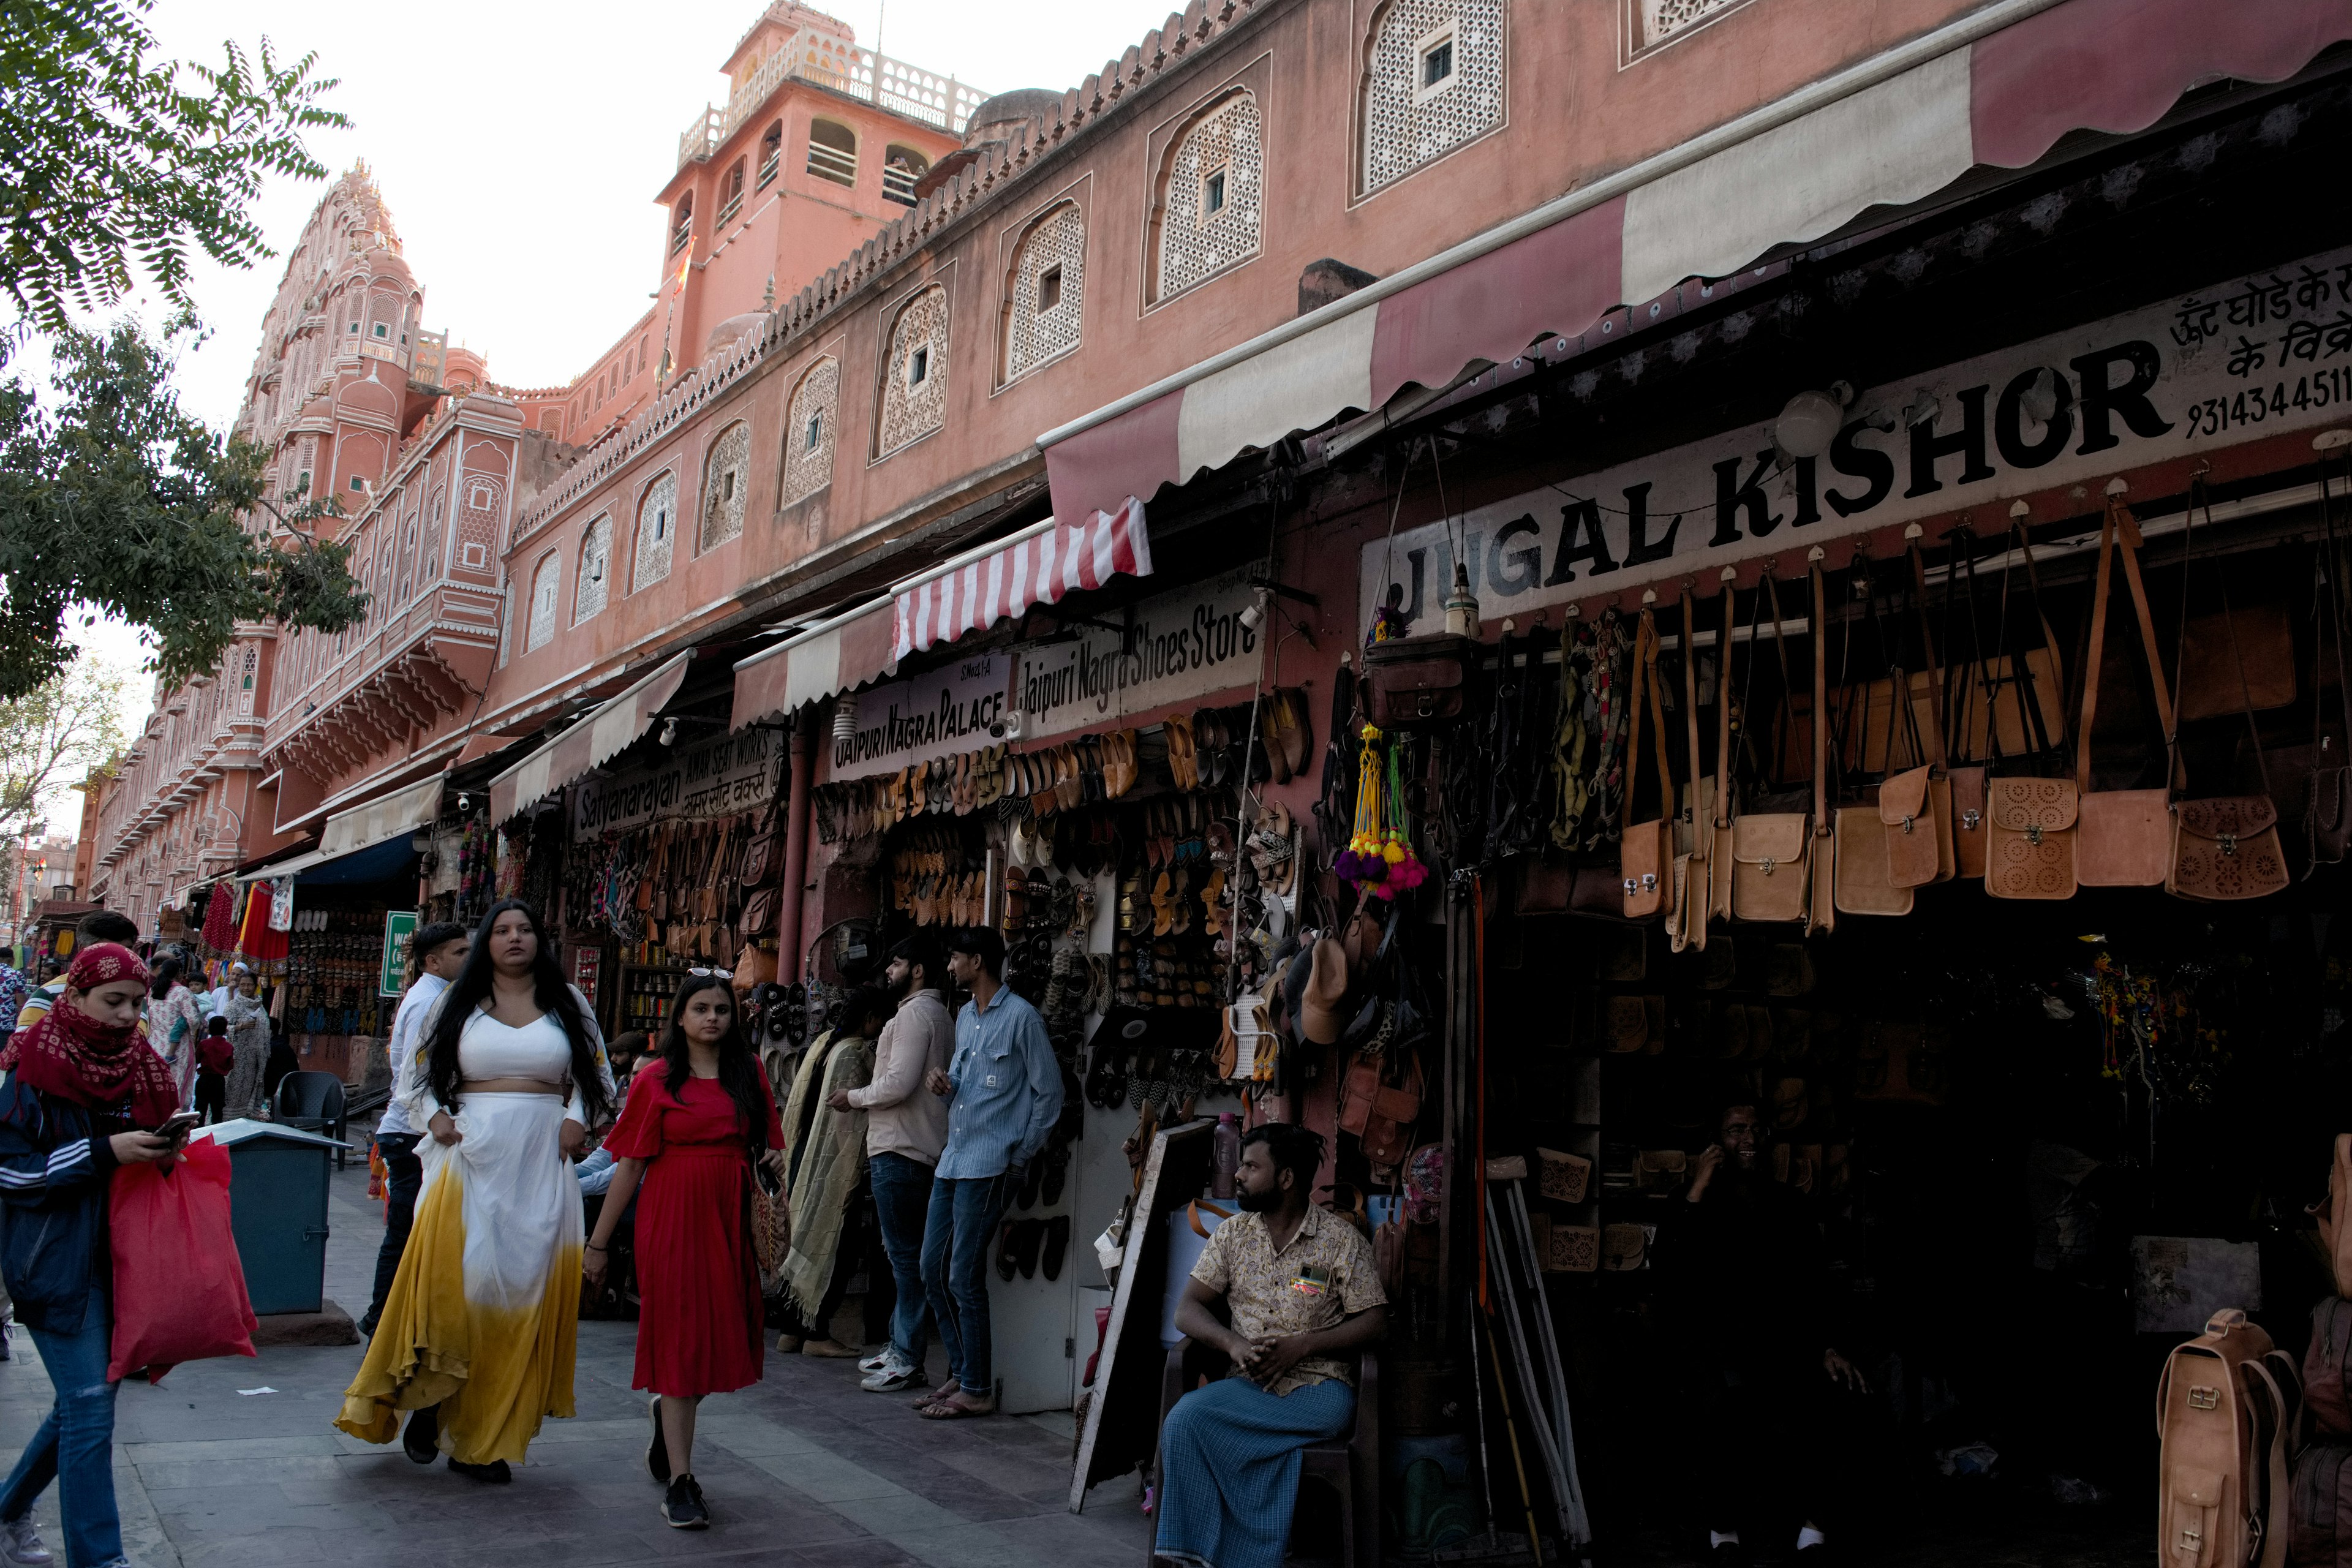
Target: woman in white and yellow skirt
[[478, 1334]]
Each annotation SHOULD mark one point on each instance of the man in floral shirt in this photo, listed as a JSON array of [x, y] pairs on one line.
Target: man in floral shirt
[[1303, 1297]]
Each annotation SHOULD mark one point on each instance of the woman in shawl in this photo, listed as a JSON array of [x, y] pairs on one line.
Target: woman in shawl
[[82, 1094], [478, 1331], [825, 1168], [174, 1024], [249, 1038], [696, 1125]]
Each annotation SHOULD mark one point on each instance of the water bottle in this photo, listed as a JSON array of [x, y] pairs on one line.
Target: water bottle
[[1225, 1144]]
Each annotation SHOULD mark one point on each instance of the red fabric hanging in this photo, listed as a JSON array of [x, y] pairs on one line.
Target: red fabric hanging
[[220, 924], [255, 939]]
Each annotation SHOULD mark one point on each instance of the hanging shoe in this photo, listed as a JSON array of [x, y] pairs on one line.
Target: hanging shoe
[[1057, 1245]]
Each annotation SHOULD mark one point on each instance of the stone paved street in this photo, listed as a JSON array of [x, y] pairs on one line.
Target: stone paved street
[[803, 1468]]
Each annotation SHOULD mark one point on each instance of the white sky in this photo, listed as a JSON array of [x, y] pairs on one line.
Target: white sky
[[520, 148]]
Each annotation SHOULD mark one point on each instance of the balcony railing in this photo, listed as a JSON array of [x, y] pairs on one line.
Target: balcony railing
[[898, 185], [832, 164], [828, 61], [768, 169]]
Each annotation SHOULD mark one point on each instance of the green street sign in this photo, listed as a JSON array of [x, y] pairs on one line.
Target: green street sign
[[398, 927]]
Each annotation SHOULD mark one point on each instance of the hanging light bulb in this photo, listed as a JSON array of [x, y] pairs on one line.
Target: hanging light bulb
[[1808, 425]]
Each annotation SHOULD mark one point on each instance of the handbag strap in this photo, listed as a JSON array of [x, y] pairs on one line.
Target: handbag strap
[[1941, 755], [1645, 687], [2021, 669], [1723, 706], [1820, 693], [2118, 533], [2199, 495], [2328, 601], [1770, 588], [1963, 541], [1690, 694]]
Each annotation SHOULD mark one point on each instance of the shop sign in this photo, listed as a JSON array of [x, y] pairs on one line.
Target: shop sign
[[949, 710], [1184, 644], [2250, 357], [718, 777], [399, 925]]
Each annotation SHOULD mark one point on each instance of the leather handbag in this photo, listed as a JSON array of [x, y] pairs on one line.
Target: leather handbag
[[1411, 681], [2224, 850], [1647, 850], [1916, 804], [2124, 836], [2028, 821], [1864, 883], [1821, 899], [2226, 1408], [1771, 851], [1378, 1112]]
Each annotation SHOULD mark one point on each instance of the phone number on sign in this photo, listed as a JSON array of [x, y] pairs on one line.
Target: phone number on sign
[[2216, 415]]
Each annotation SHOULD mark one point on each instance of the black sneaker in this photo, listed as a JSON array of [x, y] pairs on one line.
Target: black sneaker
[[656, 1451], [495, 1473], [683, 1508], [421, 1441]]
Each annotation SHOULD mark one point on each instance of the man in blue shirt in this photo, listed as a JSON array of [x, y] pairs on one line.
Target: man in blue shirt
[[1005, 1091]]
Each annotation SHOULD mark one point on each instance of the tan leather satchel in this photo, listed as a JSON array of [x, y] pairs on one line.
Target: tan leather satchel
[[1771, 851], [2030, 822], [2224, 1415], [2225, 849], [1820, 902], [2124, 836], [1646, 855], [1916, 804]]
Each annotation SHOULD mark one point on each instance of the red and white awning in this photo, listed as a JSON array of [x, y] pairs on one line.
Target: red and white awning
[[589, 743], [845, 651], [1036, 567], [1996, 87]]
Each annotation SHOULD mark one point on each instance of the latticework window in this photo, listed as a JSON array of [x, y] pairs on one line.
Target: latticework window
[[595, 569], [1043, 297], [656, 528], [546, 587], [808, 431], [1214, 199], [1433, 80], [726, 485], [1655, 22], [915, 373]]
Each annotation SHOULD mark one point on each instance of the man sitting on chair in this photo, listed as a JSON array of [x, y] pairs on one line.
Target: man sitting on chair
[[1304, 1297]]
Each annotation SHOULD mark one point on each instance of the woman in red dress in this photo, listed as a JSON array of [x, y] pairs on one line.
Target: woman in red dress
[[690, 1132]]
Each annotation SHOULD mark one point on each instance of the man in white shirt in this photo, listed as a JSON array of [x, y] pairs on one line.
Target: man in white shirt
[[440, 953], [906, 1128]]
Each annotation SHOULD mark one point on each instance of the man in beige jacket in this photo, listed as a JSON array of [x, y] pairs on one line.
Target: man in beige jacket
[[906, 1128]]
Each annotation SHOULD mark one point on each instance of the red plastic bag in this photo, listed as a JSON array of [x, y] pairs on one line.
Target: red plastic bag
[[179, 1284]]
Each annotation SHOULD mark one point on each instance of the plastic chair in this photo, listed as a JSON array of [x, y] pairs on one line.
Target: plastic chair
[[1349, 1464], [312, 1102]]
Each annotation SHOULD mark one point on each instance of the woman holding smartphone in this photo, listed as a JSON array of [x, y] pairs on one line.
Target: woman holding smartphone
[[479, 1329], [695, 1126], [82, 1091]]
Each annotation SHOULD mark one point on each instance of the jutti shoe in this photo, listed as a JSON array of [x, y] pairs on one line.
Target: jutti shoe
[[420, 1441], [683, 1508], [656, 1451], [831, 1350]]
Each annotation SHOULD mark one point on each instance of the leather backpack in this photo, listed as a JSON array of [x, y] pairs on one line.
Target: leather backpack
[[2319, 1506], [2030, 822], [2227, 848], [1413, 681], [2225, 1410], [1647, 850], [1770, 855], [2125, 835]]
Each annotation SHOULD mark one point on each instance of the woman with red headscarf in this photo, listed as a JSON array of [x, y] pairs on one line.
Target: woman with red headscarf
[[82, 1087]]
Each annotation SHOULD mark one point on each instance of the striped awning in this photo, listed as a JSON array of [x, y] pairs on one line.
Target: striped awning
[[1997, 87], [593, 741], [844, 651], [1035, 568]]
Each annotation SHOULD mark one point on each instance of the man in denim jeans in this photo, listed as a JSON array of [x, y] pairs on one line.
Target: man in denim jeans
[[1005, 1090], [906, 1129]]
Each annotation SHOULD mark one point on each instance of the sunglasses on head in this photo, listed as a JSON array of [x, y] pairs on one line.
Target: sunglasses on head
[[705, 973]]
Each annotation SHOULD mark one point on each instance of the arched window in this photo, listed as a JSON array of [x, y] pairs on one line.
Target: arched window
[[730, 193], [1042, 296], [901, 167], [832, 152], [915, 372], [681, 223], [771, 153], [1433, 80], [1212, 197], [595, 569], [808, 431], [657, 524], [546, 586], [726, 485]]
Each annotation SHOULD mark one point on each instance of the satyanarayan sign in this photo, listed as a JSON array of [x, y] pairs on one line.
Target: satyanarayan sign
[[718, 777], [1183, 645], [950, 709], [2261, 353]]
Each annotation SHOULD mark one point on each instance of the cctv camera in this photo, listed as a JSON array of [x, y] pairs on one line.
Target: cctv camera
[[669, 732]]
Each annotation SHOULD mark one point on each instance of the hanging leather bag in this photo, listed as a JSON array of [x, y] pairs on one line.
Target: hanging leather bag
[[1968, 777], [2225, 849], [1864, 883], [1821, 901], [1693, 836], [1916, 804], [2124, 836], [2029, 821], [1415, 682], [2225, 1411], [1771, 852], [1378, 1112], [1647, 852]]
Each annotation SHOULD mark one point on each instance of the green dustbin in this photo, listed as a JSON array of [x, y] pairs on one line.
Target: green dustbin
[[278, 1210]]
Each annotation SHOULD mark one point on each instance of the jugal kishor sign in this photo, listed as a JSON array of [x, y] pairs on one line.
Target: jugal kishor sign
[[2265, 353]]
